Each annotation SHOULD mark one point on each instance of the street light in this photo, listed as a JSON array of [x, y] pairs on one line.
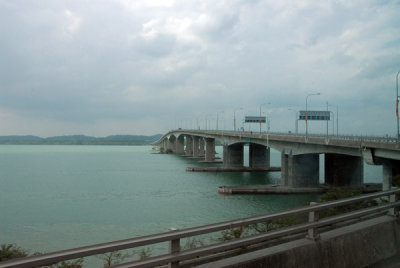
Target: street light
[[397, 104], [221, 112], [234, 118], [206, 120], [265, 103], [312, 94], [295, 119], [337, 118]]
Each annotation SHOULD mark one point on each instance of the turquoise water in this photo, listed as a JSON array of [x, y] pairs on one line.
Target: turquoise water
[[58, 197]]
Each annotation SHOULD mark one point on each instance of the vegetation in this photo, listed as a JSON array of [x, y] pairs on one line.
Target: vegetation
[[68, 264], [165, 151], [80, 140], [396, 180], [193, 242], [117, 257], [113, 258], [337, 194], [11, 251]]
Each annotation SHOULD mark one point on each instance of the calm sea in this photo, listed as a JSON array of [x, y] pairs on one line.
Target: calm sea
[[58, 197]]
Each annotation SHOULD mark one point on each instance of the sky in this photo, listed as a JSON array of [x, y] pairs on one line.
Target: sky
[[110, 67]]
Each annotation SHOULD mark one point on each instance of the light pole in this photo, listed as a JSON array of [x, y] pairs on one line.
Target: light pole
[[206, 126], [327, 128], [295, 119], [234, 118], [265, 103], [217, 117], [337, 119], [312, 94], [397, 104]]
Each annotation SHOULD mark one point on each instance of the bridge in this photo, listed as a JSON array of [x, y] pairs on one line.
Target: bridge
[[362, 237], [344, 156]]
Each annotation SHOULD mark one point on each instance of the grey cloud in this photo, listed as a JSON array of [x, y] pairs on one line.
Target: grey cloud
[[85, 62]]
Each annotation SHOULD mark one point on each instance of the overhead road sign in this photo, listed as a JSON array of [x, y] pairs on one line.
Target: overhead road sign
[[254, 119], [315, 115]]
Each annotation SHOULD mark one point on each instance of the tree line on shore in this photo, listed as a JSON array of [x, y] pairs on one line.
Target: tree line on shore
[[80, 140]]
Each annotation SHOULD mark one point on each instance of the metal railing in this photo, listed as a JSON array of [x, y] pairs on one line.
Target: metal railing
[[177, 255], [346, 137]]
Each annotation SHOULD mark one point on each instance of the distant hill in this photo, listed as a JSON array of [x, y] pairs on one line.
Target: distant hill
[[81, 140]]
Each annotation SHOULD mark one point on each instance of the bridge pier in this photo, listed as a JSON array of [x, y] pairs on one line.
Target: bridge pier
[[259, 156], [196, 146], [344, 170], [166, 144], [389, 170], [180, 145], [189, 145], [210, 150], [233, 156], [201, 147], [300, 170], [171, 144]]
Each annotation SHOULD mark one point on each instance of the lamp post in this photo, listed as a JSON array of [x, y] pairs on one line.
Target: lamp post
[[265, 103], [234, 118], [295, 119], [312, 94], [327, 122], [217, 117], [206, 126], [397, 104], [337, 119]]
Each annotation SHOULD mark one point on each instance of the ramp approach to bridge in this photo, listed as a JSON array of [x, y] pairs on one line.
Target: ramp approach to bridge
[[344, 156]]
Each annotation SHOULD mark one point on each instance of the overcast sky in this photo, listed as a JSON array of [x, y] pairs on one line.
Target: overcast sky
[[143, 67]]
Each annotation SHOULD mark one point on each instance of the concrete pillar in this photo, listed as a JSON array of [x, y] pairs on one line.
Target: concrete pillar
[[165, 144], [196, 146], [189, 145], [300, 170], [284, 169], [344, 170], [180, 145], [171, 144], [201, 147], [259, 156], [390, 169], [233, 155], [210, 149], [387, 177]]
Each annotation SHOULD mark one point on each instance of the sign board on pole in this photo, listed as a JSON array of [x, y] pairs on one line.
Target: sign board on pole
[[254, 119], [315, 115]]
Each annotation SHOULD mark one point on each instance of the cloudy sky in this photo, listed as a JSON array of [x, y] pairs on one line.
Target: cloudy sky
[[143, 67]]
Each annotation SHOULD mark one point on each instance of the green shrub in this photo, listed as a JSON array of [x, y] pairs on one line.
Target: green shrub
[[338, 194], [396, 180], [11, 251]]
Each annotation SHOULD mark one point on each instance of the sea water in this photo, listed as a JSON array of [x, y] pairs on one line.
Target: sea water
[[58, 197]]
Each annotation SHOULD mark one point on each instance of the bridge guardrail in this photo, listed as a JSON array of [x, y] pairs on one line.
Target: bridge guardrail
[[177, 255], [362, 138]]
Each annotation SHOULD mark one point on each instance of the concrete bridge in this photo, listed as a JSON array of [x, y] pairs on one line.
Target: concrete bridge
[[344, 155]]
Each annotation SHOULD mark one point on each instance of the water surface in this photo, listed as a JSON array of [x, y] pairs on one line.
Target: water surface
[[58, 197]]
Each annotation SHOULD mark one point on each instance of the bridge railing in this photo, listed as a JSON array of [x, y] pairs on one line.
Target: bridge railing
[[176, 255], [352, 137]]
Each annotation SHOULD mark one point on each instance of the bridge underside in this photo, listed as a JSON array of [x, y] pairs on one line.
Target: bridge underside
[[299, 159], [344, 170]]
